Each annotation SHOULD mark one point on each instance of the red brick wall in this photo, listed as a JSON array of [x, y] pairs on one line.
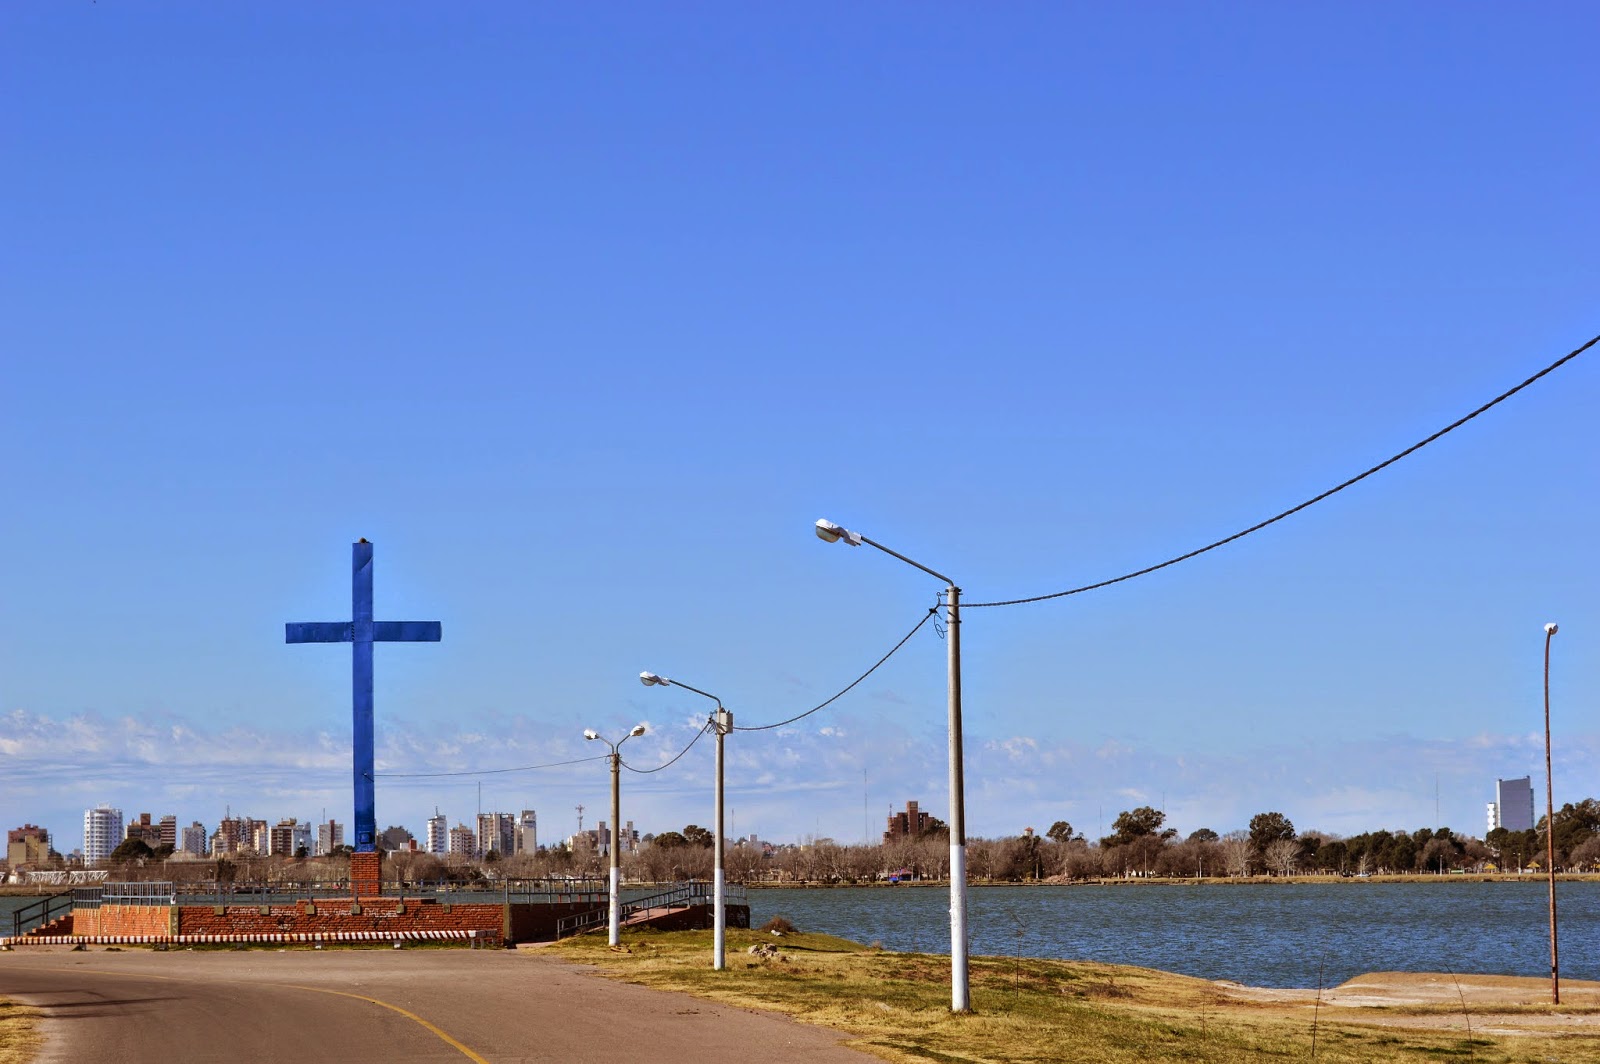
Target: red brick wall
[[124, 920], [366, 870], [377, 914]]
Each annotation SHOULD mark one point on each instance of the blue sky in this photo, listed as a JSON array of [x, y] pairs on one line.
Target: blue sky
[[584, 316]]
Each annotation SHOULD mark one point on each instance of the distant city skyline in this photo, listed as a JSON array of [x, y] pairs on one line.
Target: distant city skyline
[[517, 833], [585, 317]]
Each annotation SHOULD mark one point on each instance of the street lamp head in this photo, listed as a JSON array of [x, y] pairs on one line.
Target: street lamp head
[[590, 733], [650, 679], [829, 532], [1551, 628], [638, 729]]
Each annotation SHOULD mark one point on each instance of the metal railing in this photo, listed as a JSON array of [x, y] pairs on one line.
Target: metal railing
[[679, 896], [41, 912], [148, 893], [551, 891]]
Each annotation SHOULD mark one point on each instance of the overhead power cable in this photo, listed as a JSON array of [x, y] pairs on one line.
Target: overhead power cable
[[1497, 400], [485, 771], [768, 727], [646, 771]]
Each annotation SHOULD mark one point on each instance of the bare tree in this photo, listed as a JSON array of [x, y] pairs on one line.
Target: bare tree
[[1586, 855], [1281, 855], [1236, 853], [1082, 861], [983, 858], [744, 864]]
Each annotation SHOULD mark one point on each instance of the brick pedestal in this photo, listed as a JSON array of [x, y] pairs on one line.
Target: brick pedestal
[[366, 874]]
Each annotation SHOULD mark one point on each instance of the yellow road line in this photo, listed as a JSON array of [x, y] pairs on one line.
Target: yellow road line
[[453, 1043], [469, 1054]]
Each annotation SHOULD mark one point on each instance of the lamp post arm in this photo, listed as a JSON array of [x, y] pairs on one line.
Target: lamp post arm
[[908, 561], [696, 690]]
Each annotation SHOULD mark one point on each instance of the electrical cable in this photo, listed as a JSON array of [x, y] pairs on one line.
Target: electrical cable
[[646, 771], [1497, 400], [768, 727], [484, 771]]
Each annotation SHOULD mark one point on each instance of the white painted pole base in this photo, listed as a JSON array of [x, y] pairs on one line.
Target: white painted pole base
[[616, 907], [960, 999]]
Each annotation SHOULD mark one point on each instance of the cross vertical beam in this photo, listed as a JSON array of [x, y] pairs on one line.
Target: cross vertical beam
[[361, 632], [361, 727]]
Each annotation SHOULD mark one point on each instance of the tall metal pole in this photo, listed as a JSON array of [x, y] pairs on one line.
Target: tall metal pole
[[1550, 825], [960, 999], [719, 958], [616, 854], [723, 723]]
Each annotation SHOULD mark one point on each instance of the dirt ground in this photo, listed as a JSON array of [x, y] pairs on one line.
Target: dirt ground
[[1487, 1004]]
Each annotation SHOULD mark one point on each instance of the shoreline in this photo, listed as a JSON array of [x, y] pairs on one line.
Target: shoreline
[[15, 890], [1208, 881]]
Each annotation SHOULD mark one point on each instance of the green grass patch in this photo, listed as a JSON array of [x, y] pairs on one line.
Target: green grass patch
[[1026, 1011]]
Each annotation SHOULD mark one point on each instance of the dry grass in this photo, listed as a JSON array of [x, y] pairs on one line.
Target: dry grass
[[896, 1005], [19, 1033]]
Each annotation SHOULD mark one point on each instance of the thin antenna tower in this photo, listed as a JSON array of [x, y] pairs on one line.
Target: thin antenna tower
[[580, 820]]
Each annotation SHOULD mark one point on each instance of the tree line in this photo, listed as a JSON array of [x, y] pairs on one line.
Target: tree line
[[1140, 844]]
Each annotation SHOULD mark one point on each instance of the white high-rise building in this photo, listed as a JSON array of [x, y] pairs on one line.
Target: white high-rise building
[[528, 832], [194, 840], [462, 842], [330, 836], [627, 839], [102, 833], [438, 834], [497, 832]]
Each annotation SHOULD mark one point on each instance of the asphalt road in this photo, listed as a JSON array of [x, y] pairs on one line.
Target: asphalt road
[[397, 1007]]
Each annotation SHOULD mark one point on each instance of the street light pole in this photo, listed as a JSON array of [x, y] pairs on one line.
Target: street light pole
[[614, 916], [614, 885], [1550, 823], [960, 995], [722, 724]]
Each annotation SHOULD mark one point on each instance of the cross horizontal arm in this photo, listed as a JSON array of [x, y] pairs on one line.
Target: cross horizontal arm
[[406, 631], [317, 632]]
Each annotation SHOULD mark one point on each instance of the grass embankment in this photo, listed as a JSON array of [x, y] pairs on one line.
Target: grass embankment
[[896, 1005], [19, 1033]]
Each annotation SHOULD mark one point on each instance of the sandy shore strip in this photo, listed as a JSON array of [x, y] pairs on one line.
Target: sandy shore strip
[[1488, 1004]]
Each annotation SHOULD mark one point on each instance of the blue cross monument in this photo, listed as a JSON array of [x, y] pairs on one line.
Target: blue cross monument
[[361, 632]]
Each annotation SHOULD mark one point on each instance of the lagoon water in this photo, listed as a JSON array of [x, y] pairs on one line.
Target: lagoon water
[[1261, 934], [1291, 935]]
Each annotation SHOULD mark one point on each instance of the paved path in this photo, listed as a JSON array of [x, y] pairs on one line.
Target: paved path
[[397, 1007]]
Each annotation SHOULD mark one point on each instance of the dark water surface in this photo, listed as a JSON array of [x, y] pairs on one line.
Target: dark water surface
[[1260, 934]]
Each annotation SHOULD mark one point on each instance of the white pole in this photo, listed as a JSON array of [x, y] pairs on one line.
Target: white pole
[[616, 867], [960, 999], [719, 958], [1550, 825]]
